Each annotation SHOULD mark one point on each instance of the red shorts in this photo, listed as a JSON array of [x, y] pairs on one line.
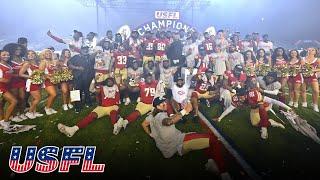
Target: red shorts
[[35, 87], [296, 79], [4, 89], [309, 80], [47, 83], [17, 83]]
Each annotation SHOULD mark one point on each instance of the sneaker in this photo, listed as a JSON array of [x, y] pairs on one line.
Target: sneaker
[[70, 106], [77, 111], [30, 115], [38, 114], [117, 127], [211, 166], [23, 116], [68, 131], [65, 107], [138, 99], [47, 110], [5, 125], [264, 133], [276, 124], [305, 104], [290, 103], [316, 108], [16, 119], [127, 101], [208, 103], [296, 105], [125, 123], [53, 111]]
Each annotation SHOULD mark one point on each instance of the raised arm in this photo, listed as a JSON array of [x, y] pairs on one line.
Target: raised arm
[[55, 37]]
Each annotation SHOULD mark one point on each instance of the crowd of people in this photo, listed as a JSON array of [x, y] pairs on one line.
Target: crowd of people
[[166, 73]]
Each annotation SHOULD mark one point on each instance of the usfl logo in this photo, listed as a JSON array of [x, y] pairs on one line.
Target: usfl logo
[[48, 161]]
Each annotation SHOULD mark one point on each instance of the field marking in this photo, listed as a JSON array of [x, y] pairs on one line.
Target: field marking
[[246, 167]]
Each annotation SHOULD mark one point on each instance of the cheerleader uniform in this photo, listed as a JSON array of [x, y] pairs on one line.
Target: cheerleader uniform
[[5, 72], [16, 81], [281, 63], [48, 70], [251, 65], [313, 77], [298, 77], [29, 85]]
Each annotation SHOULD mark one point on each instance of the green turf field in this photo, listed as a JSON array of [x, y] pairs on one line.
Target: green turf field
[[286, 153], [131, 152]]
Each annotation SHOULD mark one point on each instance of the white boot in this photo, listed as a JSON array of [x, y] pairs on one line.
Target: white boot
[[296, 105], [5, 125], [31, 115], [264, 133], [125, 123], [65, 107], [47, 110], [117, 127], [276, 124], [16, 119], [53, 111], [315, 108], [70, 106], [68, 131], [305, 104], [23, 117], [290, 103]]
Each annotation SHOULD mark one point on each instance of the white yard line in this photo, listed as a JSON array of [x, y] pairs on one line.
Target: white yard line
[[247, 168]]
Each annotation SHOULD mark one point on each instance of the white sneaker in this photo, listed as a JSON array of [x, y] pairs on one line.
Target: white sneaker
[[290, 103], [23, 116], [16, 119], [264, 133], [316, 108], [125, 123], [38, 114], [53, 111], [48, 112], [116, 128], [30, 115], [138, 99], [5, 125], [211, 166], [127, 102], [276, 124], [70, 106], [68, 131], [296, 105], [65, 107], [305, 104]]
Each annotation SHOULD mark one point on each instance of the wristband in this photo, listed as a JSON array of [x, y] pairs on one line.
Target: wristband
[[183, 112]]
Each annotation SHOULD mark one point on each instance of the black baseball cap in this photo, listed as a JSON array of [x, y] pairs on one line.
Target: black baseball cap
[[158, 101]]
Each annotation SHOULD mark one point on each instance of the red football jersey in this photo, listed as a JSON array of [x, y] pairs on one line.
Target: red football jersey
[[147, 91], [254, 97], [161, 46], [208, 46], [202, 87], [109, 101], [149, 47], [121, 59], [232, 80], [236, 102]]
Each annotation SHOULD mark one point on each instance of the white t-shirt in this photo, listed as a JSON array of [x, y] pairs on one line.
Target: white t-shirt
[[78, 44], [180, 95], [235, 58], [267, 46], [194, 52], [166, 75], [168, 139], [220, 60]]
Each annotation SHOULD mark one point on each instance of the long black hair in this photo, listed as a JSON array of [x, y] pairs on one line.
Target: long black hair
[[265, 59], [274, 55], [298, 54], [12, 47], [252, 56]]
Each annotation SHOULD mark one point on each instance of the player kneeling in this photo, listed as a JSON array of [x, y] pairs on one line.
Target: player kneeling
[[110, 97]]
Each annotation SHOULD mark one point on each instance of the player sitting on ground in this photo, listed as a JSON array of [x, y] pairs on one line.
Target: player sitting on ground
[[110, 97]]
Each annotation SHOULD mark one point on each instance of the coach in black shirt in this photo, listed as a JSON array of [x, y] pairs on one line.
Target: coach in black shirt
[[82, 67]]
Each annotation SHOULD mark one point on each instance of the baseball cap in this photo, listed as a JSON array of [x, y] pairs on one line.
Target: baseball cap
[[158, 101]]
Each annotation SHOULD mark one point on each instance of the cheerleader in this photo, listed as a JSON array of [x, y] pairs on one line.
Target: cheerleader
[[65, 85], [311, 60], [280, 61], [17, 84], [250, 64], [263, 58], [47, 65], [26, 71], [5, 76], [295, 78]]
